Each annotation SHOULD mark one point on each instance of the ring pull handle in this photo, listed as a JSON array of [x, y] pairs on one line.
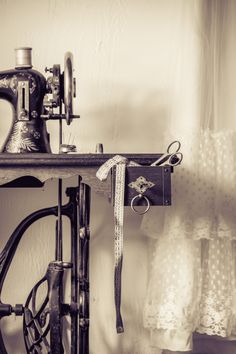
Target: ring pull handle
[[136, 198]]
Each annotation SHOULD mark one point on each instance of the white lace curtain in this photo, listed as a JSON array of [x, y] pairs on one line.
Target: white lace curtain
[[192, 283]]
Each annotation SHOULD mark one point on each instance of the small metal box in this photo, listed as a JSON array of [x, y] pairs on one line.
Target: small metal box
[[153, 182]]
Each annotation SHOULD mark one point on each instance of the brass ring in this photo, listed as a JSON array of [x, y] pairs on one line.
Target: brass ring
[[132, 204]]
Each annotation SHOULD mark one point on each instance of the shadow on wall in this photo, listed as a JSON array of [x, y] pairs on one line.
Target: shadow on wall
[[130, 124]]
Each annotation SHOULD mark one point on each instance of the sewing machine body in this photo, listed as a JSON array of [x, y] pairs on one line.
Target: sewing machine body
[[25, 89], [34, 99]]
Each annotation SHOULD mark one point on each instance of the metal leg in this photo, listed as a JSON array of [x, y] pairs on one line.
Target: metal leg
[[79, 308], [84, 237], [74, 271]]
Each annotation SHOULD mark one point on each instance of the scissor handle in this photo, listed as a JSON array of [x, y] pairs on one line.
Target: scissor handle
[[176, 144], [175, 159]]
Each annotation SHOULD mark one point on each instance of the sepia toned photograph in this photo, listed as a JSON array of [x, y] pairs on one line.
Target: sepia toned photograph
[[118, 177]]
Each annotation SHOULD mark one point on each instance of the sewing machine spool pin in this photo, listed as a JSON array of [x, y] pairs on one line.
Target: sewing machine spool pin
[[23, 58]]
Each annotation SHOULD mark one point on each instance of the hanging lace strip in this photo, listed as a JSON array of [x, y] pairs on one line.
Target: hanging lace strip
[[120, 162]]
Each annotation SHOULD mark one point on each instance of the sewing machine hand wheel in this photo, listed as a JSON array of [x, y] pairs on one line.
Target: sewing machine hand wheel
[[62, 89], [69, 87]]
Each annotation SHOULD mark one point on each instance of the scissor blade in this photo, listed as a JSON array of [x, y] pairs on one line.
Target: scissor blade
[[161, 160]]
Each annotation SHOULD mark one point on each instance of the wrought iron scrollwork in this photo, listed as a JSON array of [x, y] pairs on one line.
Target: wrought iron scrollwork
[[43, 316]]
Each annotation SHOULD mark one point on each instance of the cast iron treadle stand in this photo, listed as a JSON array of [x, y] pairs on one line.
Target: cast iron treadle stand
[[43, 319], [39, 321]]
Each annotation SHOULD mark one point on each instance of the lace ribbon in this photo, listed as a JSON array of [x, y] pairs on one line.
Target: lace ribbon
[[120, 162]]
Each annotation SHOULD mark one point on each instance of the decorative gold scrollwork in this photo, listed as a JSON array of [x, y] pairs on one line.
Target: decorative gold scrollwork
[[141, 185]]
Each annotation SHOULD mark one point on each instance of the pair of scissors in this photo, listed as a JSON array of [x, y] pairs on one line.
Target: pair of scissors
[[172, 157]]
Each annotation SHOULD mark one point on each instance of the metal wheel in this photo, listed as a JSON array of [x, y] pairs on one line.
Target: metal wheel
[[69, 90]]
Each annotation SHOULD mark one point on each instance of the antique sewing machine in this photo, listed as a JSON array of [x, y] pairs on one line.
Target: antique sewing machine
[[26, 156], [34, 100]]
